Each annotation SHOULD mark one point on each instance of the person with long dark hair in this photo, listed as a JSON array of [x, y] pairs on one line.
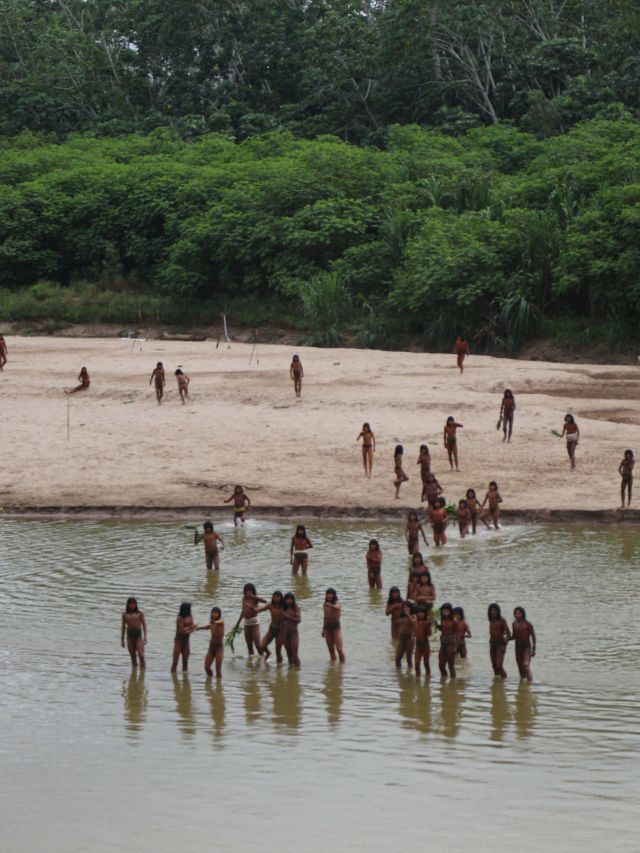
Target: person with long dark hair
[[331, 628], [274, 632], [291, 617], [135, 627], [499, 636], [184, 629]]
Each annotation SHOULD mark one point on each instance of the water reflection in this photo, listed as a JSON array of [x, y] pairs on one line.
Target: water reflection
[[414, 703], [136, 699], [500, 712], [525, 709], [252, 695], [301, 586], [184, 705], [333, 693], [286, 695], [215, 694], [451, 698]]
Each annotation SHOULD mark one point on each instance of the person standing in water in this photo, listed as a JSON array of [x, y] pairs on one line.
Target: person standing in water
[[572, 433], [215, 651], [393, 608], [463, 514], [3, 352], [331, 630], [211, 549], [499, 636], [422, 630], [463, 632], [451, 440], [368, 448], [461, 350], [374, 565], [184, 629], [401, 477], [296, 373], [275, 609], [474, 508], [300, 545], [438, 518], [240, 505], [85, 381], [249, 613], [431, 490], [135, 627], [625, 469], [493, 511], [183, 384], [291, 618], [404, 624], [448, 641], [157, 376], [413, 531], [524, 636], [507, 410]]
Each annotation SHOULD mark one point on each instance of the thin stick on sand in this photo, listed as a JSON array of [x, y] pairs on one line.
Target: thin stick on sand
[[68, 407], [253, 349]]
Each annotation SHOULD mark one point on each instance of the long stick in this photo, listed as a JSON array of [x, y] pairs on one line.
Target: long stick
[[68, 405], [253, 348], [226, 333]]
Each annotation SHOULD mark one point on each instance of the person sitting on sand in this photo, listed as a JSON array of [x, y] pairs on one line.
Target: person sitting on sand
[[461, 350], [157, 375], [211, 549], [135, 627], [84, 380], [296, 373], [183, 384], [625, 469]]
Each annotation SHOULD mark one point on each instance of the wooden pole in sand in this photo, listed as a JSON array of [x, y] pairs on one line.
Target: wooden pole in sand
[[68, 406]]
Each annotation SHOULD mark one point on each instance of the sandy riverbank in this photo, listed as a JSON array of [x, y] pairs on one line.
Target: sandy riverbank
[[243, 424]]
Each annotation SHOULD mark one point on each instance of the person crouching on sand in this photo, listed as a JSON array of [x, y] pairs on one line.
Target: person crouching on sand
[[85, 381]]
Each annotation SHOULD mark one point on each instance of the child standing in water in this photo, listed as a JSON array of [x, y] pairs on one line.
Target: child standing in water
[[331, 630], [625, 469], [448, 641], [413, 531], [249, 612], [300, 544], [507, 410], [431, 490], [571, 431], [425, 590], [296, 373], [438, 518], [393, 608], [474, 508], [216, 643], [401, 477], [451, 441], [463, 631], [404, 623], [499, 636], [493, 511], [424, 461], [211, 550], [183, 384], [275, 628], [3, 352], [374, 565], [135, 626], [157, 376], [524, 636], [85, 381], [422, 630], [461, 350], [184, 629], [240, 505], [368, 448], [464, 517], [291, 619]]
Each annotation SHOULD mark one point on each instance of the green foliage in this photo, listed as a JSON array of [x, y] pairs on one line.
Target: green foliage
[[326, 303]]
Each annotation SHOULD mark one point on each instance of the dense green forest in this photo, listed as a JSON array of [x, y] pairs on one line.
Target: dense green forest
[[396, 170]]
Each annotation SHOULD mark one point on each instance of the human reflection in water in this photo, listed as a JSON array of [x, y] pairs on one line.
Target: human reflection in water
[[451, 700], [301, 586], [414, 701], [285, 691], [184, 708], [333, 693], [252, 696], [525, 710], [629, 548], [209, 587], [500, 712], [134, 693], [215, 694]]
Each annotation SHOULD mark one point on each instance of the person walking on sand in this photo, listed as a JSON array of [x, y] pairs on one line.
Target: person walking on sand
[[625, 469], [400, 476], [85, 381], [451, 440], [183, 384], [135, 628], [461, 350], [368, 448], [157, 375], [296, 373], [507, 410], [3, 352], [572, 433]]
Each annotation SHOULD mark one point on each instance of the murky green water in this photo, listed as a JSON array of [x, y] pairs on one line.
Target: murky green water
[[346, 759]]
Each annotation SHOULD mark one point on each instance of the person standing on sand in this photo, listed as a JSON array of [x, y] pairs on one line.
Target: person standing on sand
[[85, 381], [451, 440], [368, 448], [625, 469], [183, 384], [400, 476], [158, 375], [296, 373], [135, 627], [571, 431], [3, 352], [461, 350], [507, 410]]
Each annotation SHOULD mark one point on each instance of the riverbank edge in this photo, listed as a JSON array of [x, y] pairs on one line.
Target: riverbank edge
[[310, 512]]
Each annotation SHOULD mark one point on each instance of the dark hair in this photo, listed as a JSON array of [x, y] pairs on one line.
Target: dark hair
[[570, 418], [208, 526], [458, 610], [495, 607], [522, 610], [424, 447], [293, 601], [331, 591], [442, 501], [411, 513], [508, 392], [277, 603], [628, 453], [132, 600], [450, 419], [218, 611], [462, 503], [422, 608], [443, 607], [159, 364], [374, 542], [301, 527], [426, 573], [393, 589], [471, 493], [178, 372], [236, 487], [413, 558], [432, 475], [185, 609], [399, 450], [493, 483], [367, 425], [296, 358], [249, 587]]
